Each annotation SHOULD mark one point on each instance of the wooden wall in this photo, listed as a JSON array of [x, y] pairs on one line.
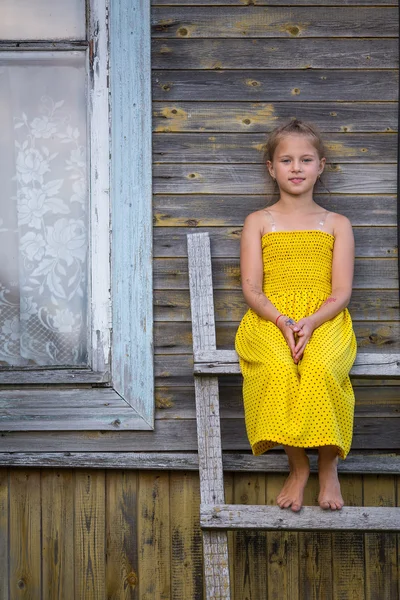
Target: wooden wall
[[225, 72], [119, 535]]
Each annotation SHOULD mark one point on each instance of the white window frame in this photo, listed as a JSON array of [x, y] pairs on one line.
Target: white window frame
[[121, 312]]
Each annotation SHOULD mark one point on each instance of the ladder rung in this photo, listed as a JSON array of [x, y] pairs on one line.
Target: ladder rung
[[243, 516]]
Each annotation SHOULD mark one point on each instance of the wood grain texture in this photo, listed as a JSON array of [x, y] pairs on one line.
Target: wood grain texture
[[283, 21], [121, 575], [380, 548], [348, 548], [174, 305], [200, 210], [186, 537], [132, 315], [250, 549], [24, 535], [282, 549], [171, 273], [4, 538], [252, 179], [371, 242], [276, 85], [251, 3], [258, 53], [89, 534], [57, 527], [99, 113], [330, 116], [153, 536], [248, 148]]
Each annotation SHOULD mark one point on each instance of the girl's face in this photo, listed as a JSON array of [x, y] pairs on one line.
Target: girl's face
[[296, 164]]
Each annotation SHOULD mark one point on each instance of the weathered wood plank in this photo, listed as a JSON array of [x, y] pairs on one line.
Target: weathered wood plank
[[380, 548], [57, 534], [89, 539], [272, 462], [121, 535], [206, 210], [248, 148], [179, 435], [234, 116], [238, 516], [179, 403], [24, 535], [250, 549], [252, 179], [174, 305], [251, 3], [258, 53], [153, 536], [371, 242], [72, 409], [175, 338], [171, 273], [227, 361], [40, 376], [283, 21], [132, 316], [283, 550], [315, 552], [348, 548], [186, 538], [4, 539], [272, 86]]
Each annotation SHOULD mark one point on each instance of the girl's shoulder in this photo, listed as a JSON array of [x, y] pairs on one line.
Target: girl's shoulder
[[338, 222]]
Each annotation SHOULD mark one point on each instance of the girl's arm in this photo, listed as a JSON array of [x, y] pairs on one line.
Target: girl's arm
[[342, 274], [342, 281], [251, 270]]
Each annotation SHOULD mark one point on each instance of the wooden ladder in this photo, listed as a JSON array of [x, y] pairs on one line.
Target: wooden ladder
[[216, 517]]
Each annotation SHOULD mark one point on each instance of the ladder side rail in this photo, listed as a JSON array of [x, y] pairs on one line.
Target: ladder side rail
[[215, 543]]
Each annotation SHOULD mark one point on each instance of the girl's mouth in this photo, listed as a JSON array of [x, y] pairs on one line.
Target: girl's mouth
[[296, 180]]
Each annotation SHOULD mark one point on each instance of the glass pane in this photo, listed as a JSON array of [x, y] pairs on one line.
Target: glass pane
[[42, 20], [43, 209]]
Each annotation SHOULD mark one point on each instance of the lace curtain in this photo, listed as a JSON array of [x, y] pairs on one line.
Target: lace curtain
[[43, 209]]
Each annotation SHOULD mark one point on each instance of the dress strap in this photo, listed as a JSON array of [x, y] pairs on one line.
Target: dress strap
[[271, 218], [322, 221]]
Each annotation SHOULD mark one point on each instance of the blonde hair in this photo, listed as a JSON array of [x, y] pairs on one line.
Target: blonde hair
[[297, 127]]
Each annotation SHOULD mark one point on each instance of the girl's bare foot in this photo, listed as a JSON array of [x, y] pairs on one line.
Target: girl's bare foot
[[330, 496], [291, 495]]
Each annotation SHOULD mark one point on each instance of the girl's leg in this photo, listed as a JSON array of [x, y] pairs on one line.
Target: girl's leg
[[330, 495], [291, 495]]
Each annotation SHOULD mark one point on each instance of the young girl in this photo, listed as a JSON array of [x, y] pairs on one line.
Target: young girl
[[296, 342]]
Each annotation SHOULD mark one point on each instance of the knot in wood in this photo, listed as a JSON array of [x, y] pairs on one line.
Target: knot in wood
[[132, 579]]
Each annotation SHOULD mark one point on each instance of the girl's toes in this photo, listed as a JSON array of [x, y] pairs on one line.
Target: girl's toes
[[324, 504], [296, 507]]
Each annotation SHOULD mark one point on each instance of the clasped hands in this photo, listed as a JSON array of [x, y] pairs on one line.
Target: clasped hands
[[296, 334]]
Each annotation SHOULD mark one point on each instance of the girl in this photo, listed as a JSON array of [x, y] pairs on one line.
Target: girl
[[296, 343]]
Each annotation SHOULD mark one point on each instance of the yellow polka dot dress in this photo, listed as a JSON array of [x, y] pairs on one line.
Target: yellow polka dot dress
[[312, 403]]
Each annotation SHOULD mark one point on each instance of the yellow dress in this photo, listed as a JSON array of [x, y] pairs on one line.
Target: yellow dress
[[312, 403]]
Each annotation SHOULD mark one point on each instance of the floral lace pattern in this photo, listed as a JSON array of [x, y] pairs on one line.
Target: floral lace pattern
[[43, 317]]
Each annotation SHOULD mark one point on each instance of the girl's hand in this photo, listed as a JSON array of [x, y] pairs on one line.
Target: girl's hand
[[287, 327], [303, 329]]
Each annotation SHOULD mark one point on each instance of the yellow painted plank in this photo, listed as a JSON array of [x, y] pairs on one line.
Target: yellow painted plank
[[121, 535], [283, 551], [315, 554], [4, 555], [25, 535], [250, 556], [89, 534], [57, 534], [186, 536], [154, 536], [348, 548], [381, 574]]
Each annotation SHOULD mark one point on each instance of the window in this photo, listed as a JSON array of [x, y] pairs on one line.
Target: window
[[76, 285]]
